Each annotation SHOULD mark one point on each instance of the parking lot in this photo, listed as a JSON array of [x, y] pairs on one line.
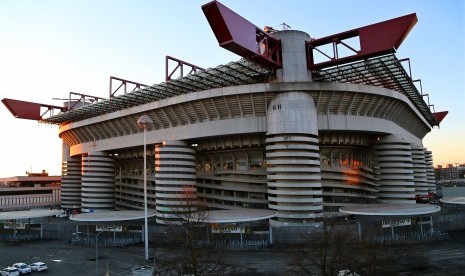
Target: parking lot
[[445, 257], [71, 259], [68, 259]]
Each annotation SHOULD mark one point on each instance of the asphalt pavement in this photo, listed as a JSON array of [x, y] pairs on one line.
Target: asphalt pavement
[[446, 257]]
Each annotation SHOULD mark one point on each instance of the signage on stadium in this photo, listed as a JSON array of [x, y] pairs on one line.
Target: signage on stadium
[[9, 224], [396, 222], [109, 228], [227, 229]]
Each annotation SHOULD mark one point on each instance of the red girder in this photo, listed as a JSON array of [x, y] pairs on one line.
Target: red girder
[[375, 40], [439, 116], [28, 110], [241, 37], [180, 65], [123, 83], [83, 98]]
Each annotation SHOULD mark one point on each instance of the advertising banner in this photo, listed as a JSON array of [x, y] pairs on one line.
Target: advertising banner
[[227, 229], [109, 228], [396, 222]]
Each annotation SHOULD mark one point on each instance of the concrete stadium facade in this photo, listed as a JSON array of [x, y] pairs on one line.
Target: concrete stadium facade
[[289, 143]]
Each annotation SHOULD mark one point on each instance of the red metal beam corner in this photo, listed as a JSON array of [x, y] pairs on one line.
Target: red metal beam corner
[[27, 110], [375, 40], [241, 37], [439, 116]]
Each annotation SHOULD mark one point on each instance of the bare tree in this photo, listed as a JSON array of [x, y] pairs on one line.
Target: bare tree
[[336, 250], [375, 259], [198, 256], [328, 251]]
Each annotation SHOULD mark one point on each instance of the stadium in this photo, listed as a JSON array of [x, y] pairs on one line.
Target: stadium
[[290, 127]]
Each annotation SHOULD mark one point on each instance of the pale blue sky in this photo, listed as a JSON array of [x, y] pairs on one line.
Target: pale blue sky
[[51, 47]]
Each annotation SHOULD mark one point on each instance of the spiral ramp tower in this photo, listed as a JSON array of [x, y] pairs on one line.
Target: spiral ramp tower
[[292, 154], [430, 171], [419, 171], [394, 158], [175, 178], [70, 181], [98, 182]]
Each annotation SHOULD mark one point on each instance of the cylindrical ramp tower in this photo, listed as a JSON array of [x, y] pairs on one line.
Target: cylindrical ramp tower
[[419, 171], [70, 180], [98, 182], [292, 156], [430, 171], [176, 194], [396, 181]]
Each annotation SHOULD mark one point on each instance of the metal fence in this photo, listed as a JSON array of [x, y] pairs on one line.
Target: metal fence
[[450, 218]]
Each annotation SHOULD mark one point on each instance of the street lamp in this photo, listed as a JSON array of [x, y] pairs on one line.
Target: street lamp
[[96, 248], [145, 122]]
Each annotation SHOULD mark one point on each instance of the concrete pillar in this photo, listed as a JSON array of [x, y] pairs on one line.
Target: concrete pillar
[[293, 56], [270, 232]]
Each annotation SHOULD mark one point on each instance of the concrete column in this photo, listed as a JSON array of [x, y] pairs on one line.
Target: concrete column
[[294, 57], [270, 232]]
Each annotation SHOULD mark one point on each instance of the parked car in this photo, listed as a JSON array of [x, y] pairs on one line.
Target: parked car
[[9, 271], [38, 266], [346, 272], [62, 215], [22, 268]]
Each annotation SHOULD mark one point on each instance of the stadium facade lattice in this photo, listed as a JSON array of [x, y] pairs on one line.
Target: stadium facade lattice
[[279, 129]]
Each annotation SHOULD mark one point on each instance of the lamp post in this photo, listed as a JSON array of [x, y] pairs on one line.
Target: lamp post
[[96, 248], [96, 252], [145, 122]]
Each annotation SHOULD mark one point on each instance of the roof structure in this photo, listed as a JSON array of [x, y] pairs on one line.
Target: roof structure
[[385, 71], [236, 215], [31, 179], [232, 74], [390, 209], [453, 200], [34, 213], [374, 64], [217, 216], [110, 216]]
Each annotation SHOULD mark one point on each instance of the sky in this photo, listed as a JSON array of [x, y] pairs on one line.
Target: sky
[[49, 48]]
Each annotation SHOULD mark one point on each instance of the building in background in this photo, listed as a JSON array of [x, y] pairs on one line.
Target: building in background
[[450, 172], [451, 180], [289, 127], [36, 190]]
